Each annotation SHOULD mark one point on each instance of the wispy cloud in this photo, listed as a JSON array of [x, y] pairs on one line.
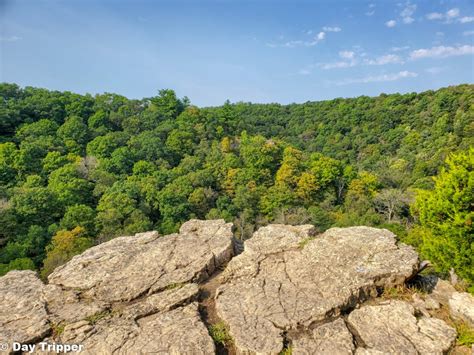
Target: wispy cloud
[[320, 36], [407, 13], [399, 49], [347, 54], [385, 59], [348, 60], [9, 38], [451, 16], [371, 10], [466, 19], [391, 23], [435, 70], [434, 16], [468, 33], [338, 65], [378, 78], [351, 59], [332, 29], [441, 52]]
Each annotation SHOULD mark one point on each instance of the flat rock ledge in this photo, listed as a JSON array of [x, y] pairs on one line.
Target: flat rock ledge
[[288, 280], [288, 288], [129, 295]]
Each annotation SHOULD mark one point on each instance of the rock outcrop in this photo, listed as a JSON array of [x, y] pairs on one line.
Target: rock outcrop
[[288, 278], [317, 294], [393, 328], [23, 316]]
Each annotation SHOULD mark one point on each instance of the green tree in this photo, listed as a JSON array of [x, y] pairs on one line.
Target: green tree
[[64, 245], [446, 216]]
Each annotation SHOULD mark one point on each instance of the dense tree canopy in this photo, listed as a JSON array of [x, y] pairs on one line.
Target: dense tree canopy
[[77, 169]]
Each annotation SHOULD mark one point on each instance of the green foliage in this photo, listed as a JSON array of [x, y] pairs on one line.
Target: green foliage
[[94, 318], [64, 245], [17, 264], [465, 334], [219, 332], [113, 166], [446, 217]]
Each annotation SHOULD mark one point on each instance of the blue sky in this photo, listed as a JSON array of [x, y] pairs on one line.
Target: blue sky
[[259, 51]]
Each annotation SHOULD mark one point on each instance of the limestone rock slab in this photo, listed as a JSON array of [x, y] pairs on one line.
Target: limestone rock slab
[[288, 278], [23, 316], [393, 328], [128, 267]]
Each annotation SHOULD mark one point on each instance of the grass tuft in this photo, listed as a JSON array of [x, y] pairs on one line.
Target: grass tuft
[[220, 333]]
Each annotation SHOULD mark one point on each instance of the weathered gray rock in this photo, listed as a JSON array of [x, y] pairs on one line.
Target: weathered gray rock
[[135, 294], [327, 339], [284, 280], [23, 316], [167, 323], [461, 305], [128, 267], [129, 295], [393, 328]]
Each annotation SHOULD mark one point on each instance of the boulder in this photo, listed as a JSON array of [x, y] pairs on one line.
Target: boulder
[[23, 316], [393, 328], [126, 268], [288, 278], [461, 305]]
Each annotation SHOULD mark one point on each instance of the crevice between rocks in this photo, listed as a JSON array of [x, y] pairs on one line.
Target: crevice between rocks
[[207, 307]]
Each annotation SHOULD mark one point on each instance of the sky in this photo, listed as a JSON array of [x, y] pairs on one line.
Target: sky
[[258, 51]]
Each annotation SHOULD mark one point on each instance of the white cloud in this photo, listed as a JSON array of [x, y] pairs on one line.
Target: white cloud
[[441, 52], [9, 39], [434, 70], [337, 65], [399, 49], [379, 78], [332, 29], [450, 16], [391, 23], [407, 13], [298, 43], [304, 72], [435, 16], [346, 54], [370, 13], [468, 33], [466, 19], [385, 59], [452, 13]]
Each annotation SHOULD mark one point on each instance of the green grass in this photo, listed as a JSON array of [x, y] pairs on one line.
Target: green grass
[[220, 333], [58, 328], [94, 318], [286, 351], [465, 334], [175, 285], [305, 241]]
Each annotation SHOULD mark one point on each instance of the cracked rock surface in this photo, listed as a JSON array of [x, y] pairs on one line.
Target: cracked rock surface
[[393, 328], [23, 316], [289, 288], [284, 280], [129, 295]]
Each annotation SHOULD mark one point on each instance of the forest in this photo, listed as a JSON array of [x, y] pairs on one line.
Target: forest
[[78, 170]]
